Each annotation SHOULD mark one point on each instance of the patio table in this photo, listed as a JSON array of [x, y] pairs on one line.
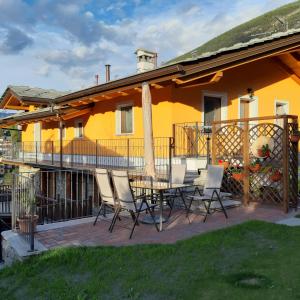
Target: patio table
[[160, 187]]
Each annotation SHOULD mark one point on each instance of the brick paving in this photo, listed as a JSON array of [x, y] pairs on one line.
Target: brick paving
[[177, 228]]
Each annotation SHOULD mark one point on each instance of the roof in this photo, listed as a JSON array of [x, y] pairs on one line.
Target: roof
[[32, 95], [204, 64], [277, 20], [43, 114], [238, 46], [35, 92]]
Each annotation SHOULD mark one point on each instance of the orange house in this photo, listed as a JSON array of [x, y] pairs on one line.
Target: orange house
[[102, 125]]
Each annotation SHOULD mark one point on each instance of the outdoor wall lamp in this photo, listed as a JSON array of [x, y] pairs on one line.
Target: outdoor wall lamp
[[250, 92]]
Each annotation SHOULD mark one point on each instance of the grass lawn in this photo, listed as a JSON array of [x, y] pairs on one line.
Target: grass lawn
[[255, 260]]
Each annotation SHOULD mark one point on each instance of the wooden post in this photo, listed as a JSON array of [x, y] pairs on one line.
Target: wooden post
[[72, 153], [295, 166], [128, 149], [213, 142], [170, 159], [52, 152], [197, 139], [36, 152], [96, 153], [61, 142], [174, 140], [246, 186], [23, 152], [285, 164]]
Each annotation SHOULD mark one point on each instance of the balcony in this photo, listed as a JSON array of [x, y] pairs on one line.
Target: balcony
[[189, 140], [116, 153]]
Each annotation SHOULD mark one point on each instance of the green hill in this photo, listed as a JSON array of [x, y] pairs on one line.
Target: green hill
[[278, 20]]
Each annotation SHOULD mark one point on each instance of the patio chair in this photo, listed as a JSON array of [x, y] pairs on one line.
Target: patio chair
[[128, 202], [211, 192], [105, 191], [177, 177]]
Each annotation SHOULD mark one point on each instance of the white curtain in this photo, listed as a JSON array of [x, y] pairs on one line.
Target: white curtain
[[148, 131]]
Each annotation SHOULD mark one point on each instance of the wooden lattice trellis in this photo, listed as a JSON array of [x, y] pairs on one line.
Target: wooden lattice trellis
[[232, 141]]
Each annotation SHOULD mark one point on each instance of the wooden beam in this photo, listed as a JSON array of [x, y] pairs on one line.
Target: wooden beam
[[109, 95], [123, 93], [75, 104], [212, 79], [76, 113], [156, 86], [9, 99], [276, 117], [106, 97], [284, 67], [15, 107], [217, 77]]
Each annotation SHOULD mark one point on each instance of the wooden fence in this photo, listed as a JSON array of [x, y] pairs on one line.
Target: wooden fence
[[264, 151]]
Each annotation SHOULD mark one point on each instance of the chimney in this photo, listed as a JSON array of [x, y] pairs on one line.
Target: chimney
[[107, 68], [146, 60], [97, 79]]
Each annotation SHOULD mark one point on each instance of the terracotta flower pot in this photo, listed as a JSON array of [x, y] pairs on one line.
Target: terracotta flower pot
[[255, 168], [295, 138], [262, 154], [224, 163], [276, 176], [24, 223], [238, 176]]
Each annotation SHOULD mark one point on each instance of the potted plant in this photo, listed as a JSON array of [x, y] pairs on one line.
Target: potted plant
[[224, 163], [275, 174], [237, 173], [264, 151], [26, 214], [255, 166], [295, 137]]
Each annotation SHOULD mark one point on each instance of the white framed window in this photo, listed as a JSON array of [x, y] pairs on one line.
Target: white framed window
[[124, 119], [79, 129], [214, 106]]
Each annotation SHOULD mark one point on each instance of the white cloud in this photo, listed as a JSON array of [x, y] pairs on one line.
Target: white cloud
[[69, 43]]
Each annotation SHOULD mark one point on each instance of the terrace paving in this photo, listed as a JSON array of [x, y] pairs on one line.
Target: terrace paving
[[177, 228]]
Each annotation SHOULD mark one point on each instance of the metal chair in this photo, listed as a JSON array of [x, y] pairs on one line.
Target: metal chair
[[211, 192], [177, 177], [105, 191], [128, 202]]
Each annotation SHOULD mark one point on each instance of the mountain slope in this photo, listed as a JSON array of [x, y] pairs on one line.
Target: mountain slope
[[278, 20]]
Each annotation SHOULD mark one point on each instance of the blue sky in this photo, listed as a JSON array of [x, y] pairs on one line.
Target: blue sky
[[62, 44]]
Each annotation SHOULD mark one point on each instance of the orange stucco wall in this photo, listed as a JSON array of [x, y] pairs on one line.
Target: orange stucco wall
[[174, 105]]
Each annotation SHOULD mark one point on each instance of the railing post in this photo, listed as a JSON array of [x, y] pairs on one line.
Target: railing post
[[36, 152], [174, 138], [128, 162], [23, 153], [246, 186], [171, 146], [32, 213], [213, 142], [61, 142], [52, 152], [96, 153], [72, 153], [13, 202], [286, 184], [197, 140], [207, 150]]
